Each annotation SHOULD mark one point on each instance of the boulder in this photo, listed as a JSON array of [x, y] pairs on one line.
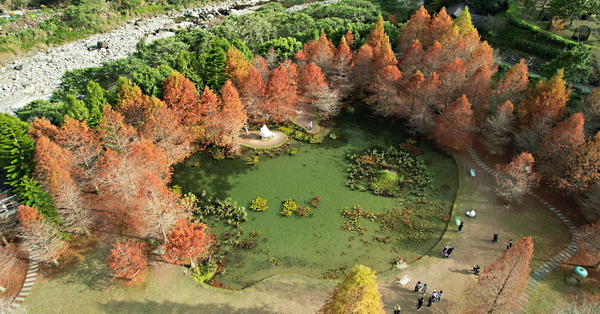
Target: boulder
[[102, 44]]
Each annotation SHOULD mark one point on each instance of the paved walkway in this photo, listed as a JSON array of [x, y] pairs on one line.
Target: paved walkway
[[540, 273], [27, 285]]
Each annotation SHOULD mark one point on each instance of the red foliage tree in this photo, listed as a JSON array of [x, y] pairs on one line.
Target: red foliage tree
[[181, 96], [411, 58], [281, 93], [497, 127], [41, 126], [54, 169], [311, 81], [342, 62], [362, 71], [321, 52], [114, 132], [237, 66], [589, 240], [128, 261], [39, 236], [517, 178], [187, 241], [582, 168], [232, 117], [210, 104], [438, 28], [384, 90], [85, 146], [156, 209], [452, 78], [546, 104], [252, 94], [501, 285], [132, 103], [563, 140], [414, 28], [512, 85], [477, 89], [454, 127], [382, 49], [433, 59], [164, 130]]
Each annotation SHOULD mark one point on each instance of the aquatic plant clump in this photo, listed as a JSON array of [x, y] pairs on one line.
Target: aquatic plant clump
[[259, 204], [390, 172]]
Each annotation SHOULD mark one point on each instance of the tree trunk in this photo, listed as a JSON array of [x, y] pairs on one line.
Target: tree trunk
[[192, 263]]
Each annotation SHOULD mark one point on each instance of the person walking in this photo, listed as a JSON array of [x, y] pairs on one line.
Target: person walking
[[460, 227], [397, 309], [430, 301], [495, 240], [476, 269], [445, 252], [424, 289], [440, 294], [419, 303], [450, 251], [509, 244], [434, 295], [310, 126], [418, 286]]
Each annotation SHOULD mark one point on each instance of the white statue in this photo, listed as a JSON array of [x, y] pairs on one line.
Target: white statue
[[264, 132]]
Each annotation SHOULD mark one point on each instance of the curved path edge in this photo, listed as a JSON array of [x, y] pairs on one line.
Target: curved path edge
[[540, 273], [27, 284]]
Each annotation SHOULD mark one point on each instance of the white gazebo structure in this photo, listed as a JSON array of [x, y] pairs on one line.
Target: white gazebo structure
[[265, 132]]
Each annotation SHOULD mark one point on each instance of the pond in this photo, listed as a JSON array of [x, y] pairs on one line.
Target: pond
[[317, 246]]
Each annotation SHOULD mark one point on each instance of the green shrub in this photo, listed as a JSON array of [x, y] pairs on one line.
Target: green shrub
[[205, 270], [252, 160], [292, 151], [259, 204]]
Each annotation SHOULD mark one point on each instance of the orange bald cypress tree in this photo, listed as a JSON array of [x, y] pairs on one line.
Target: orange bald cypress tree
[[164, 130], [362, 72], [477, 89], [517, 178], [452, 78], [39, 236], [181, 96], [232, 117], [414, 28], [210, 105], [384, 90], [454, 127], [252, 94], [382, 49], [188, 241], [582, 168], [128, 261], [497, 127], [438, 28], [501, 285], [281, 93], [357, 293], [321, 52], [547, 103], [411, 58], [512, 85], [432, 59], [237, 66], [342, 67], [114, 132], [561, 141]]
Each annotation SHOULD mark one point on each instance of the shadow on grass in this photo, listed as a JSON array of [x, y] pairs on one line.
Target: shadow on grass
[[92, 272], [461, 271], [148, 306]]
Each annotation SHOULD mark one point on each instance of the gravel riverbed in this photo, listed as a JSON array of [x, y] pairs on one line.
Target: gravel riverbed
[[37, 76]]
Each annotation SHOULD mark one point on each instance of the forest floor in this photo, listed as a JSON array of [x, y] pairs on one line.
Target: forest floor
[[168, 290]]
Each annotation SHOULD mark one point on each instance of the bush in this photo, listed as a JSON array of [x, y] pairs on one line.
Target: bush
[[259, 204], [292, 151], [289, 207]]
